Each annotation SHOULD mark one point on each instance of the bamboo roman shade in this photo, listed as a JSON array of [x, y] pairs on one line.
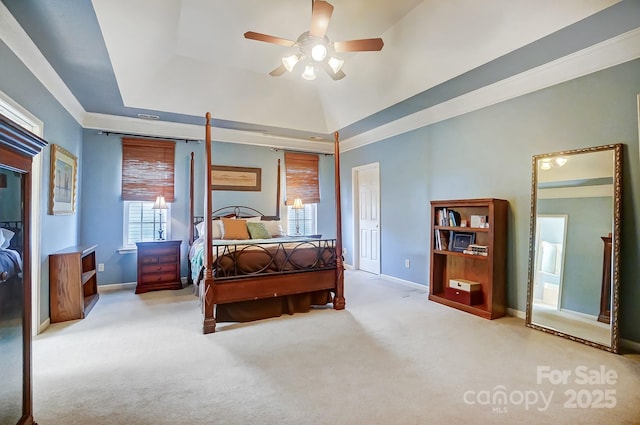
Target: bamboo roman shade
[[147, 169], [302, 177]]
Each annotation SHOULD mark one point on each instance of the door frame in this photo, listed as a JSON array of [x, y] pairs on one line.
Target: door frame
[[355, 194]]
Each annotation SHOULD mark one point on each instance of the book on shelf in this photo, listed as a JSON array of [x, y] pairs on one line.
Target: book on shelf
[[447, 217], [474, 249], [442, 240], [454, 218]]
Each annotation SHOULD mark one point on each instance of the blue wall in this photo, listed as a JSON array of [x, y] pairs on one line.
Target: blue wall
[[487, 153], [103, 216], [57, 232]]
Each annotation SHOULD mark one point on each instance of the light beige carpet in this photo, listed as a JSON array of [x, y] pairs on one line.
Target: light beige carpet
[[392, 357]]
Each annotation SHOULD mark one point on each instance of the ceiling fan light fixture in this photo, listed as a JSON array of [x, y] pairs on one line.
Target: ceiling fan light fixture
[[290, 62], [309, 73], [319, 52], [335, 64]]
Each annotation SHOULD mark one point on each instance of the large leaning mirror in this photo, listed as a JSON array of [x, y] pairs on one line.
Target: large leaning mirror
[[574, 245]]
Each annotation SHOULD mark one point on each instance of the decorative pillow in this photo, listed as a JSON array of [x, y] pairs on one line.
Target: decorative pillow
[[5, 238], [234, 229], [274, 228], [253, 219], [216, 228], [257, 230]]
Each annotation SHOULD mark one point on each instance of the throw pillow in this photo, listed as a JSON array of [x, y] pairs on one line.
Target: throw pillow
[[234, 229], [257, 230]]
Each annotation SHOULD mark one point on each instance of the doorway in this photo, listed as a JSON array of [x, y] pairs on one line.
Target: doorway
[[366, 217], [551, 234]]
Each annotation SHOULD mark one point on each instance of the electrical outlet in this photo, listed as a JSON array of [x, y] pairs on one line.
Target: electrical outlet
[[344, 252], [407, 263], [100, 267]]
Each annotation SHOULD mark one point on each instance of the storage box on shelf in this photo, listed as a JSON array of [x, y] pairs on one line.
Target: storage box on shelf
[[455, 256]]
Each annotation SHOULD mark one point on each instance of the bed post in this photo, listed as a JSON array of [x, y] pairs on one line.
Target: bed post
[[338, 300], [191, 210], [278, 192], [209, 295]]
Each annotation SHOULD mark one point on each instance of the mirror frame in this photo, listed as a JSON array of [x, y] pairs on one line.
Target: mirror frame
[[615, 278]]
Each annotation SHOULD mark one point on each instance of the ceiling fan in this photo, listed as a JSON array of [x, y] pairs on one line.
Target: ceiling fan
[[314, 47]]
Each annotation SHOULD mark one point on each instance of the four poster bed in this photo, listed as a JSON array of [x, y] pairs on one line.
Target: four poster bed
[[260, 272]]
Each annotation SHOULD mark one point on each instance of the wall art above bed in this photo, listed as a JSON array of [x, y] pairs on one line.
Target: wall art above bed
[[225, 177]]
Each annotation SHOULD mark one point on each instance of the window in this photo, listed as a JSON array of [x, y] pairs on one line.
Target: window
[[142, 223], [147, 172], [302, 221], [302, 177], [302, 183], [147, 169]]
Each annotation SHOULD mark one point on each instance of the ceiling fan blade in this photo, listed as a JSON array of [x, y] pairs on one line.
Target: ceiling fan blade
[[278, 71], [364, 45], [268, 38], [335, 75], [320, 17]]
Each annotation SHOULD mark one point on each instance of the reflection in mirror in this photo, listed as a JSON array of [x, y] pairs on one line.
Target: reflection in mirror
[[11, 297], [574, 245]]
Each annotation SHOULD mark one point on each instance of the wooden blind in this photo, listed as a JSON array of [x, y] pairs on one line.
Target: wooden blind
[[147, 169], [302, 177]]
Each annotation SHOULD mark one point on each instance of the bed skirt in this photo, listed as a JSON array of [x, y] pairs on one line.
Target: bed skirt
[[247, 311]]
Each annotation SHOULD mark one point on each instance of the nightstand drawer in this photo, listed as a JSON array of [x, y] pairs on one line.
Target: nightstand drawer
[[156, 268], [154, 259], [159, 277]]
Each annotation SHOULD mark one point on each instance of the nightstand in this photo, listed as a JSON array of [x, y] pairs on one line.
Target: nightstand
[[158, 266]]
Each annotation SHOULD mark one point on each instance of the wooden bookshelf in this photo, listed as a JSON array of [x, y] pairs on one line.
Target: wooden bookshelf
[[449, 262], [73, 283]]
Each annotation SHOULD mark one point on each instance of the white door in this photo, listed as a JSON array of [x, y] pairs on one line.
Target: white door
[[368, 181]]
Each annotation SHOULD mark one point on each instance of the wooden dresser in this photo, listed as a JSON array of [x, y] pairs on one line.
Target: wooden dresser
[[158, 266]]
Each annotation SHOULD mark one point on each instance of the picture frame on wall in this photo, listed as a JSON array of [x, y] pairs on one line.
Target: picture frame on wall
[[224, 177], [63, 181]]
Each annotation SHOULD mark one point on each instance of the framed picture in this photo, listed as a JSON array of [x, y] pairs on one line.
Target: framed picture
[[62, 191], [225, 177], [461, 240]]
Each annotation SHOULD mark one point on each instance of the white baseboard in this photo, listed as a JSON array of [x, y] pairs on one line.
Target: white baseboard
[[44, 325], [630, 345], [347, 266], [405, 282], [516, 313], [116, 286]]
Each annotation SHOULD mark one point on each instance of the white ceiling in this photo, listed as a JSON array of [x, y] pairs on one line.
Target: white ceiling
[[190, 56]]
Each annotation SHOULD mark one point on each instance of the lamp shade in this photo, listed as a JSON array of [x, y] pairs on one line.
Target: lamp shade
[[335, 64], [297, 204], [290, 62], [309, 73], [160, 204]]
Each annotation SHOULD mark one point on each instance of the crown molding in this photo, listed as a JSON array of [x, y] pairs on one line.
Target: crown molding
[[617, 50], [171, 130], [14, 36]]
